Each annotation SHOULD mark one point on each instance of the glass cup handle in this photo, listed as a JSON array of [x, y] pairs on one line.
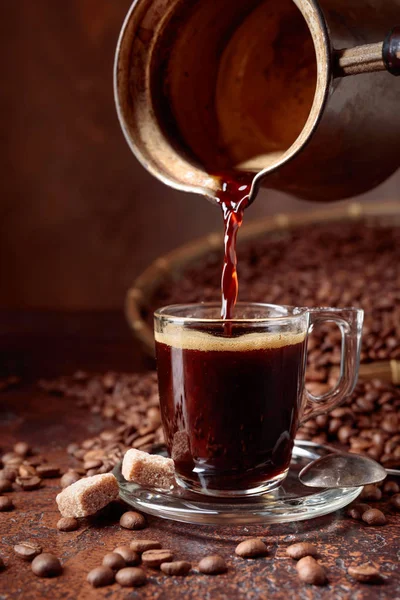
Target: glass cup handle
[[349, 321]]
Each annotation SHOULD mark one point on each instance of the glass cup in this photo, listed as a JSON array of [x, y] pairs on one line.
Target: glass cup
[[232, 393]]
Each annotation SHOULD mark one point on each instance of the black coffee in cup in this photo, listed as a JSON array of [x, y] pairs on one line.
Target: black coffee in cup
[[230, 405]]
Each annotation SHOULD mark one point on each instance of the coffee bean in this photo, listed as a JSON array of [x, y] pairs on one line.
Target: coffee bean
[[11, 457], [67, 524], [310, 571], [154, 558], [345, 433], [2, 564], [301, 549], [6, 504], [69, 478], [251, 548], [365, 574], [27, 550], [72, 448], [92, 464], [26, 471], [46, 565], [5, 486], [143, 545], [34, 461], [391, 487], [374, 516], [48, 471], [371, 493], [130, 557], [100, 577], [133, 520], [131, 577], [22, 449], [29, 483], [395, 502], [212, 565], [178, 567], [356, 511], [114, 561]]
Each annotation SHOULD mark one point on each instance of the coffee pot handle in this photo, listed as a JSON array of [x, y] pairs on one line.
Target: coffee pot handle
[[383, 56]]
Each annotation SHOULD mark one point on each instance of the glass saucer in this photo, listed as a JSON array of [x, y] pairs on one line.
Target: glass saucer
[[291, 502]]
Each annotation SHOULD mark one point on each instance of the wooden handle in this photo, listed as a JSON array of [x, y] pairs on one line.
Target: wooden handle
[[382, 56]]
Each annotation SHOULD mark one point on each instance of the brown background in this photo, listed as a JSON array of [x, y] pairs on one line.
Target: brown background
[[79, 217]]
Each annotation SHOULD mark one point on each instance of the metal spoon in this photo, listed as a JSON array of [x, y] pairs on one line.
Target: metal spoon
[[341, 470]]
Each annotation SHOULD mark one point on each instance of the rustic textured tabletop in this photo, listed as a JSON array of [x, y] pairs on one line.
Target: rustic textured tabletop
[[49, 424]]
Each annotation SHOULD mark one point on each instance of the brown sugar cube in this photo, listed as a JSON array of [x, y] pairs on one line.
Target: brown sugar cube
[[87, 496], [148, 470]]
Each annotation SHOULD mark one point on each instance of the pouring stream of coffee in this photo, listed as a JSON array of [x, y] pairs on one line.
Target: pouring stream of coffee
[[234, 198]]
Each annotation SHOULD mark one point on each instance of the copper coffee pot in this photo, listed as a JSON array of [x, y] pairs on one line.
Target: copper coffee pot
[[298, 92]]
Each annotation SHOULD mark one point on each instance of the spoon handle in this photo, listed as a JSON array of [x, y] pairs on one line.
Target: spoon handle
[[393, 472]]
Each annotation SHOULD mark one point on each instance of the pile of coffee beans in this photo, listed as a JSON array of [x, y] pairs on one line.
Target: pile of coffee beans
[[128, 399], [367, 423], [121, 565], [21, 469], [333, 264]]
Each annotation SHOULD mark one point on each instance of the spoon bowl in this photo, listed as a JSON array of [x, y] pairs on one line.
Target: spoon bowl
[[342, 470]]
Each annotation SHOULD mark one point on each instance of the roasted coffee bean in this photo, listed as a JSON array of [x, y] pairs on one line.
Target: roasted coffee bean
[[48, 471], [344, 433], [6, 503], [131, 577], [371, 493], [34, 461], [27, 550], [154, 558], [356, 511], [69, 478], [133, 520], [374, 516], [114, 561], [5, 486], [46, 565], [391, 487], [100, 577], [310, 571], [29, 483], [10, 457], [67, 524], [301, 549], [251, 548], [365, 574], [395, 502], [92, 464], [130, 557], [72, 448], [176, 568], [144, 545], [153, 415], [22, 449], [212, 565], [26, 471]]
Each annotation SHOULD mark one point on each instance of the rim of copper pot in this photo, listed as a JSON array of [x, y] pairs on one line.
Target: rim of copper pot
[[135, 108]]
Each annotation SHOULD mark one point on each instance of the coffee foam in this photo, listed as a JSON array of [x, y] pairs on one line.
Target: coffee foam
[[186, 339]]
